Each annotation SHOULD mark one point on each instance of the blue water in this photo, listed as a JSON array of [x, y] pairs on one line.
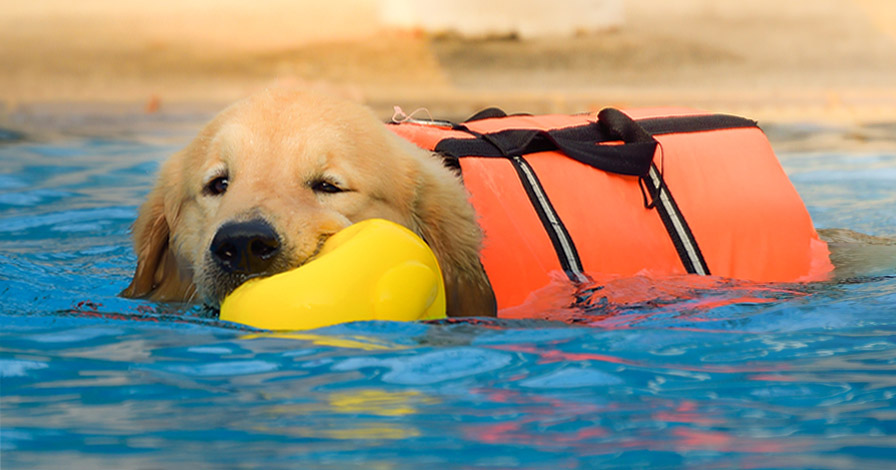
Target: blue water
[[725, 376]]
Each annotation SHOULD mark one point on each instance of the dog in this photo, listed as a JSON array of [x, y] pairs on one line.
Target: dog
[[272, 177]]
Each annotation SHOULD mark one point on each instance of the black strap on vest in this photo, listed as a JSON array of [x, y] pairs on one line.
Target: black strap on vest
[[487, 113], [562, 242], [634, 157], [578, 143], [626, 129]]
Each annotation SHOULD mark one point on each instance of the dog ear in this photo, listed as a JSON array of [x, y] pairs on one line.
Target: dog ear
[[470, 296], [157, 276], [444, 217]]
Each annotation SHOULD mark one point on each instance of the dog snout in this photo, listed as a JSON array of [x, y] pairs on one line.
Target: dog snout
[[245, 247]]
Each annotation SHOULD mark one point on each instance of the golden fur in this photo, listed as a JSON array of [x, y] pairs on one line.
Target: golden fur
[[273, 148]]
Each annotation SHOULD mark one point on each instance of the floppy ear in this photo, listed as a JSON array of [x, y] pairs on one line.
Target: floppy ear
[[444, 217], [157, 276]]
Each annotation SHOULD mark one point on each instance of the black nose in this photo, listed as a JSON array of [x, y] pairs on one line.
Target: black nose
[[245, 247]]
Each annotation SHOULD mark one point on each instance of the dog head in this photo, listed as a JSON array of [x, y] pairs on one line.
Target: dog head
[[271, 178]]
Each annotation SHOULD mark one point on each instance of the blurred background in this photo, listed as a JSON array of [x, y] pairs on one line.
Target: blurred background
[[831, 61]]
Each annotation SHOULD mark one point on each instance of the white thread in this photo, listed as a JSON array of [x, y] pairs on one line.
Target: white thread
[[399, 116]]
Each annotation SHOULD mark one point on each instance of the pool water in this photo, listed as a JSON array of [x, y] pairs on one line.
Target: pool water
[[715, 375]]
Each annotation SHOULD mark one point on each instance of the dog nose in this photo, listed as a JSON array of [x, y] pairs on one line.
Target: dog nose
[[245, 247]]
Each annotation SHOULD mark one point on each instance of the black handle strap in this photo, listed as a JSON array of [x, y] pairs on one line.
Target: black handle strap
[[620, 125], [487, 113], [581, 143], [623, 127]]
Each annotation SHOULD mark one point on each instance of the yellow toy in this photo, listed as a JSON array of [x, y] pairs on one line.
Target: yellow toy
[[372, 270]]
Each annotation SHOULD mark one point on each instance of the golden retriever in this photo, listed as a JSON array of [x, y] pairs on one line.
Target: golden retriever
[[270, 178]]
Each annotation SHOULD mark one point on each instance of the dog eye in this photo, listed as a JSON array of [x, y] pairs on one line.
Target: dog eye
[[325, 187], [217, 186]]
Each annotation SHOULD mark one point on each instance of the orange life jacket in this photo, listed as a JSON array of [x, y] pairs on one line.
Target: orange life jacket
[[657, 192]]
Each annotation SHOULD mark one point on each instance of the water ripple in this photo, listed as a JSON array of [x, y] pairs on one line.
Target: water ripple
[[92, 219], [18, 368], [432, 367], [223, 369], [572, 378]]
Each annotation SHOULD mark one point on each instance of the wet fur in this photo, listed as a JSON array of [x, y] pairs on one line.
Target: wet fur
[[273, 147]]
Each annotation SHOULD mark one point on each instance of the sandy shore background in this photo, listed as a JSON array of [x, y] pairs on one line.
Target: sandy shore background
[[829, 61]]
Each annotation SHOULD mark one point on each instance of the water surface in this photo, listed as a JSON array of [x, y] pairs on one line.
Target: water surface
[[714, 375]]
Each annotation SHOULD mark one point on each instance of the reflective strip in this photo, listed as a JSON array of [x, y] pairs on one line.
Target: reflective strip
[[675, 217], [566, 245]]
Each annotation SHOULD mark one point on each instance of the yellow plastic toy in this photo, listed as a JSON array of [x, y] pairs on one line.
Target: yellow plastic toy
[[372, 270]]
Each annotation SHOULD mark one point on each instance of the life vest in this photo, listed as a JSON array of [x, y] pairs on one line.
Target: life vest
[[646, 192]]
